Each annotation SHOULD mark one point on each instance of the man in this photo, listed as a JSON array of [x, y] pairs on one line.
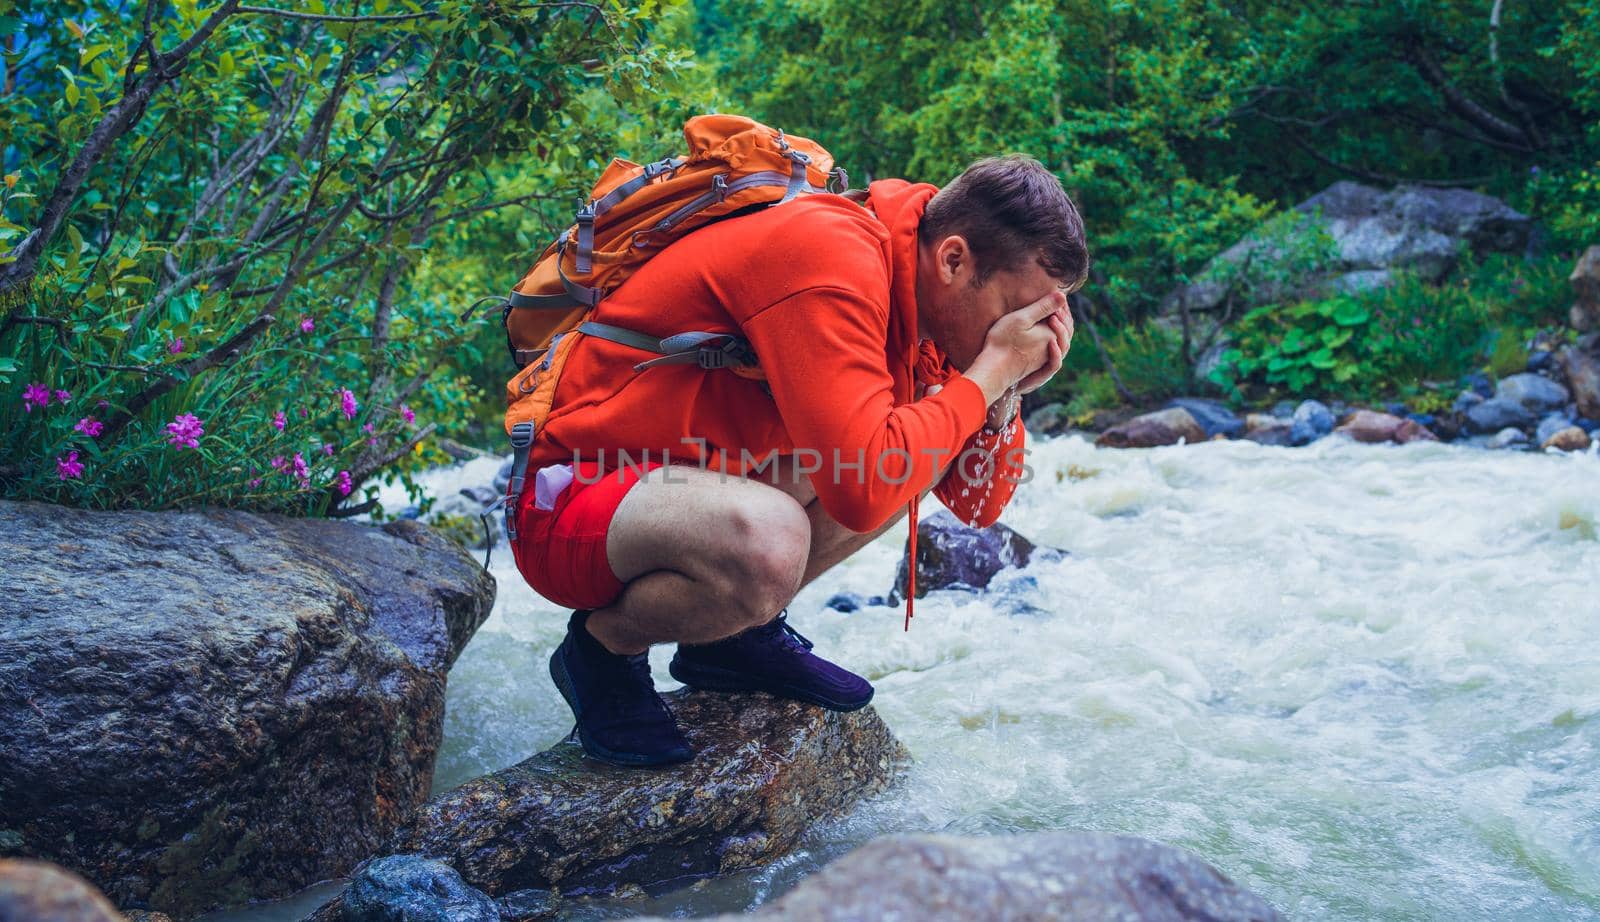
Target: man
[[895, 337]]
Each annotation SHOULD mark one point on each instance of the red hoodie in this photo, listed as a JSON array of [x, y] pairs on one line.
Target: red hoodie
[[824, 290]]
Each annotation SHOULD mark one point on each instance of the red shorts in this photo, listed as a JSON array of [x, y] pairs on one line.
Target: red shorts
[[561, 551]]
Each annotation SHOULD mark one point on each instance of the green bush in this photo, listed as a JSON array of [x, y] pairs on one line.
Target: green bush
[[248, 295]]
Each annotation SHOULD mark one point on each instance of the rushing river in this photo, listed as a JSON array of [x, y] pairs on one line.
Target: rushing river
[[1362, 681]]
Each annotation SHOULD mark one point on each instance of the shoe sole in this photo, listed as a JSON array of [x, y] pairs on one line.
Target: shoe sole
[[564, 685], [715, 678]]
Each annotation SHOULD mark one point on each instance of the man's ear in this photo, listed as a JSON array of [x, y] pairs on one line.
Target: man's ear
[[953, 257]]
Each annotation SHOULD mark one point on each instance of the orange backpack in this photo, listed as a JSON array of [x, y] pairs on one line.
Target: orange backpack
[[734, 165]]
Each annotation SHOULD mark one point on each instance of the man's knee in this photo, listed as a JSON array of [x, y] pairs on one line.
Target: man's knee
[[767, 545]]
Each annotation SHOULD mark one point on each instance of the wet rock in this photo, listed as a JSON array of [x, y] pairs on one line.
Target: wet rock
[[1213, 416], [1163, 427], [1536, 392], [1541, 360], [205, 708], [502, 478], [1266, 429], [1041, 875], [845, 602], [1311, 421], [1585, 279], [1284, 409], [1050, 419], [1496, 414], [1507, 438], [1550, 425], [1569, 439], [1580, 365], [36, 891], [408, 888], [1372, 426], [954, 555], [765, 770], [1101, 420]]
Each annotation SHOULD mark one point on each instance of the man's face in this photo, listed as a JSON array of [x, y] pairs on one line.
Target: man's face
[[957, 314]]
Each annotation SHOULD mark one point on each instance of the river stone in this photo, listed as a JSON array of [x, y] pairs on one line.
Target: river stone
[[1580, 364], [1507, 438], [1569, 439], [1498, 413], [1267, 429], [1372, 426], [1536, 392], [1163, 427], [1213, 416], [1585, 279], [1050, 419], [37, 891], [954, 555], [1311, 421], [410, 888], [207, 708], [1087, 876], [1550, 425], [765, 770]]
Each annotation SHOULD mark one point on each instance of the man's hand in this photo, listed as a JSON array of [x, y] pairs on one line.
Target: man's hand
[[1022, 344], [1061, 323]]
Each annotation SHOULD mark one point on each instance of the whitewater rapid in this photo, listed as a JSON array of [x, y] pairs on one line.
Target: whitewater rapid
[[1362, 681]]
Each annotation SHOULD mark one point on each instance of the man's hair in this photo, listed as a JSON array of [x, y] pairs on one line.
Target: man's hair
[[1008, 209]]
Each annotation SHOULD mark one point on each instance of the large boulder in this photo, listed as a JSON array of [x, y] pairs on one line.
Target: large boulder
[[1580, 364], [1585, 279], [1346, 238], [954, 555], [207, 708], [764, 771], [1213, 416], [1163, 427], [1042, 875], [37, 891]]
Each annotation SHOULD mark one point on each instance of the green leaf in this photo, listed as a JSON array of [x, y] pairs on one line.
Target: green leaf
[[1350, 313], [1323, 359]]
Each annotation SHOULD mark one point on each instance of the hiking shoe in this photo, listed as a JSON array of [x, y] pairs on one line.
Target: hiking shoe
[[771, 658], [620, 717]]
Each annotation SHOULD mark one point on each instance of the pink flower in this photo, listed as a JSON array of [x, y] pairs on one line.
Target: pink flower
[[405, 413], [301, 470], [347, 403], [307, 325], [90, 427], [176, 346], [279, 420], [35, 395], [255, 482], [304, 412], [69, 468], [63, 396], [344, 483], [327, 449], [371, 436], [280, 464], [185, 431]]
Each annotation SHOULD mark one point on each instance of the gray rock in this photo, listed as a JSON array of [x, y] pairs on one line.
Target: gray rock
[[765, 770], [1213, 416], [1536, 392], [206, 708], [1050, 419], [1371, 233], [1507, 438], [410, 888], [1284, 409], [1569, 439], [502, 478], [1311, 421], [1550, 425], [954, 555], [1372, 426], [1498, 413], [1466, 401], [1163, 427], [1036, 876], [36, 891]]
